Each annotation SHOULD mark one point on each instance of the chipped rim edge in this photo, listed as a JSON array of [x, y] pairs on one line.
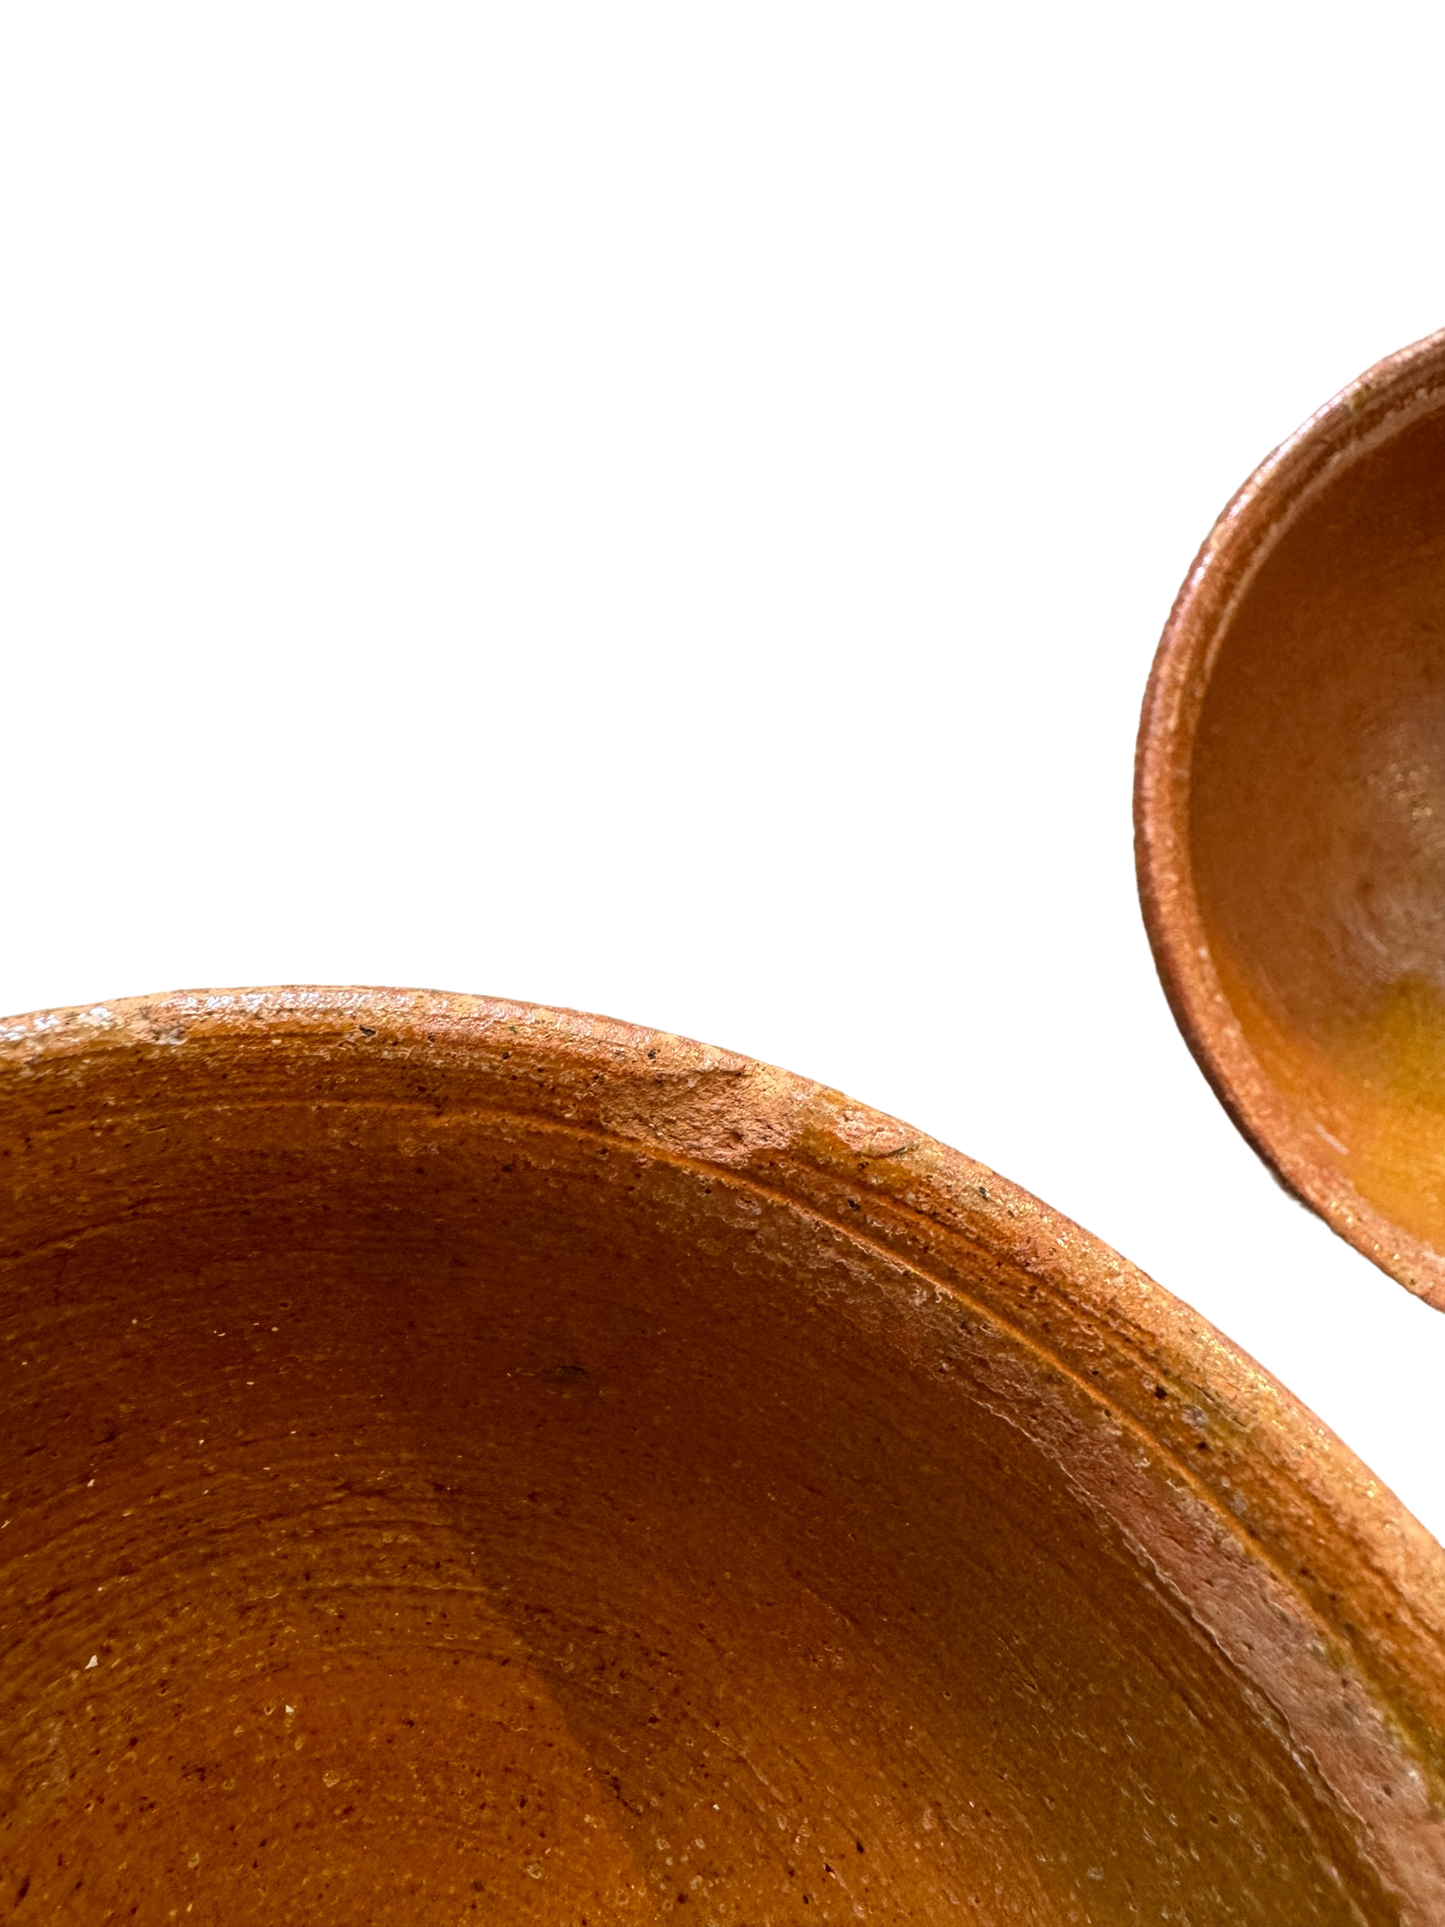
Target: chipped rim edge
[[1103, 1280], [1310, 1474]]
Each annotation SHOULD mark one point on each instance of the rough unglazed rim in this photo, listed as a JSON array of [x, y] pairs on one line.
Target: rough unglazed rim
[[1371, 410], [943, 1189], [897, 1174]]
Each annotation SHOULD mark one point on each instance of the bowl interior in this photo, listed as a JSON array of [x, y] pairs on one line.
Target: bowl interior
[[420, 1509], [1317, 822]]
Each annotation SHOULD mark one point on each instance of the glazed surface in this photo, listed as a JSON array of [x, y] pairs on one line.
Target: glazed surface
[[469, 1462], [1292, 813], [1318, 819]]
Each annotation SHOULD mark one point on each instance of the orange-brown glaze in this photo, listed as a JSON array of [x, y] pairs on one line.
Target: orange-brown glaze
[[463, 1462], [1318, 812], [1292, 813]]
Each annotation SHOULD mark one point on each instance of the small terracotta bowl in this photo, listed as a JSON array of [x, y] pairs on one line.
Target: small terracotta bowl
[[471, 1462], [1291, 813]]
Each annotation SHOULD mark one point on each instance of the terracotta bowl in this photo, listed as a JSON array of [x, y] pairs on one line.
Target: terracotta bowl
[[466, 1462], [1291, 813]]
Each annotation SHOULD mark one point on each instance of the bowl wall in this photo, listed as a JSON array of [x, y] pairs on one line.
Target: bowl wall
[[471, 1462], [1292, 813]]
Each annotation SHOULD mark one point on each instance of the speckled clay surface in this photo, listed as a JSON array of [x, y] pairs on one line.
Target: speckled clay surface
[[466, 1462], [1291, 813]]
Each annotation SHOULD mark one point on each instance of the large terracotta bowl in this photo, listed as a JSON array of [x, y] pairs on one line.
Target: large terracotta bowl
[[465, 1462], [1291, 813]]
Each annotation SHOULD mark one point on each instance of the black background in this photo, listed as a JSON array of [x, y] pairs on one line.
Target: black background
[[769, 677]]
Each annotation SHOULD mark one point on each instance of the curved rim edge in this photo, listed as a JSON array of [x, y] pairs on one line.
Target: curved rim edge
[[1362, 415], [1320, 1509], [797, 1136]]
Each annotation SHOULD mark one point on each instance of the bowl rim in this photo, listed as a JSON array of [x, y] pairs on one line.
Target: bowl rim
[[1313, 1580], [798, 1137], [1387, 398]]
